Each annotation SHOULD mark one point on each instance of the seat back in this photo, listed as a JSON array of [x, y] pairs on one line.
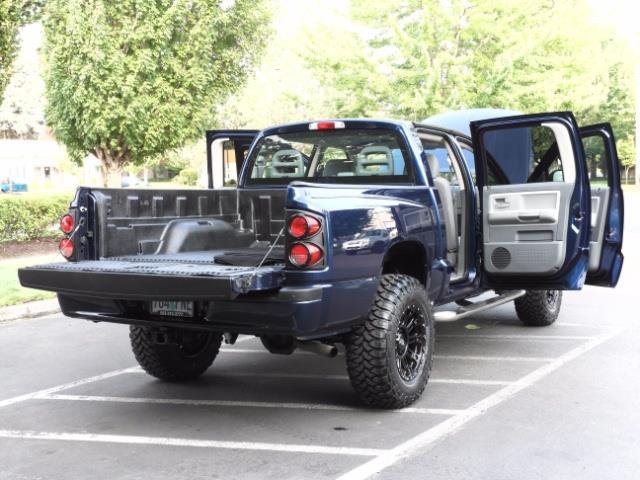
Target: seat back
[[337, 168], [446, 198], [286, 163], [374, 160]]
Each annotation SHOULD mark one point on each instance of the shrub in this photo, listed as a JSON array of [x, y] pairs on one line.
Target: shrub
[[187, 176], [27, 217]]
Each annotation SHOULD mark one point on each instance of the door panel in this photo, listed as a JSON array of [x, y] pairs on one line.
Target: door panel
[[525, 227], [535, 204], [226, 152], [605, 242]]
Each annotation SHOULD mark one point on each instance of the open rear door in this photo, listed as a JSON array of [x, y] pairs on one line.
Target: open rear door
[[534, 202], [607, 208], [226, 152]]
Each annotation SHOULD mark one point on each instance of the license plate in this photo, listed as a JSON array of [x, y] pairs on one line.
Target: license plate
[[171, 308]]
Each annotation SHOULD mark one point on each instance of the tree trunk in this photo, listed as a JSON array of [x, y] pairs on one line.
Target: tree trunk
[[111, 167]]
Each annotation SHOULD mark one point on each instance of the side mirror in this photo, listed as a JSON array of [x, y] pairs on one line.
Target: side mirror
[[557, 176]]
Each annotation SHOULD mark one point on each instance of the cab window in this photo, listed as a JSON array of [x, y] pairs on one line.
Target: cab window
[[524, 155], [342, 156]]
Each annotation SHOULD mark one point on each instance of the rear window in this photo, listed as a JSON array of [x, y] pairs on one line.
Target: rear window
[[332, 156]]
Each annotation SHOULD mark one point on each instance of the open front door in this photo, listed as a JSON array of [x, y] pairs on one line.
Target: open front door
[[226, 152], [605, 250], [534, 202]]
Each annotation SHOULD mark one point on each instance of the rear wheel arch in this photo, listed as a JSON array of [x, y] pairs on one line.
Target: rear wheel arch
[[407, 257]]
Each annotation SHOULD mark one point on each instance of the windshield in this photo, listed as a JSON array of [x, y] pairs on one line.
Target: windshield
[[344, 156]]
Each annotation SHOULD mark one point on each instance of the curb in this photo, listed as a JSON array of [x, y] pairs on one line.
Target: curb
[[35, 309]]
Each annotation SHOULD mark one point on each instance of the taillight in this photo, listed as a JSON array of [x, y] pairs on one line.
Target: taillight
[[67, 223], [301, 226], [66, 247], [304, 254]]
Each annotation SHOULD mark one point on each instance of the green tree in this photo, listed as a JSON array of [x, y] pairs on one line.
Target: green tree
[[129, 80], [626, 155], [9, 23], [420, 57]]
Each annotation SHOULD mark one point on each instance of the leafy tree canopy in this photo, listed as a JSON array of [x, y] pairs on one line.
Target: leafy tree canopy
[[414, 58], [129, 80], [9, 23]]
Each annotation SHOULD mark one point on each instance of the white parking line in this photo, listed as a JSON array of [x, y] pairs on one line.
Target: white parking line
[[484, 358], [64, 386], [244, 338], [263, 351], [524, 337], [423, 441], [187, 442], [322, 376], [465, 381], [585, 325], [480, 358], [239, 403]]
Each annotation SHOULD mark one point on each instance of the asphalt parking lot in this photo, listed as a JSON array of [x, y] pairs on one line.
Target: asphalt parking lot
[[504, 401]]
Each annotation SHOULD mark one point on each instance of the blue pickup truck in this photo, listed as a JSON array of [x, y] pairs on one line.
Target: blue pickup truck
[[348, 232]]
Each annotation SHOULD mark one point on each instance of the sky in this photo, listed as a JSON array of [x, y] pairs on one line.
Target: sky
[[624, 14]]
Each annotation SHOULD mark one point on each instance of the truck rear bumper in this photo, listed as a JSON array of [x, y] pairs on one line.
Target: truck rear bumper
[[304, 312]]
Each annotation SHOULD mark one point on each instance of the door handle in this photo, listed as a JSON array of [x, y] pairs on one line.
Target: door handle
[[529, 217], [501, 202]]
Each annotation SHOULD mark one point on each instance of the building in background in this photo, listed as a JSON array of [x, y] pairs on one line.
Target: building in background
[[43, 164]]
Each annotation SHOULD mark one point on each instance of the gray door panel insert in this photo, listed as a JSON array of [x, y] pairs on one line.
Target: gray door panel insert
[[525, 227]]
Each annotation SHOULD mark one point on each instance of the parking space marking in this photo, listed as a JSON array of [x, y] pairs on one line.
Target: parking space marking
[[524, 337], [188, 442], [423, 441], [584, 325], [465, 381], [240, 403], [322, 376], [244, 338], [65, 386], [484, 358], [480, 358], [264, 351]]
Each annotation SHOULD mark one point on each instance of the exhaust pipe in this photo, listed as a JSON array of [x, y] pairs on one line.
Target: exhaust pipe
[[319, 348]]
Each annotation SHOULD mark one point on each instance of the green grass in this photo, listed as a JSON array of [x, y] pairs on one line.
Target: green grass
[[11, 292]]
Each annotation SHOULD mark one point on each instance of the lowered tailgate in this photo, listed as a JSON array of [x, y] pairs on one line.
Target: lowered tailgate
[[147, 279]]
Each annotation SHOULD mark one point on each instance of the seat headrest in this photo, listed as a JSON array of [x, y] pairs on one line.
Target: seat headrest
[[434, 165]]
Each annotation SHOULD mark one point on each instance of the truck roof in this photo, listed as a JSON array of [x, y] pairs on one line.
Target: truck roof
[[458, 120], [349, 122]]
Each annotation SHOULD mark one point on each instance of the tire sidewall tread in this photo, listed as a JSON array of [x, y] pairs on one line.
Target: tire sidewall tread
[[371, 362], [533, 309], [167, 362]]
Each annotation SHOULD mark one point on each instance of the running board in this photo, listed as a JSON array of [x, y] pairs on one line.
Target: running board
[[465, 311]]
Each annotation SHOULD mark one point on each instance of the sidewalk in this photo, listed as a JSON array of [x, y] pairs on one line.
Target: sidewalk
[[29, 310], [32, 259]]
